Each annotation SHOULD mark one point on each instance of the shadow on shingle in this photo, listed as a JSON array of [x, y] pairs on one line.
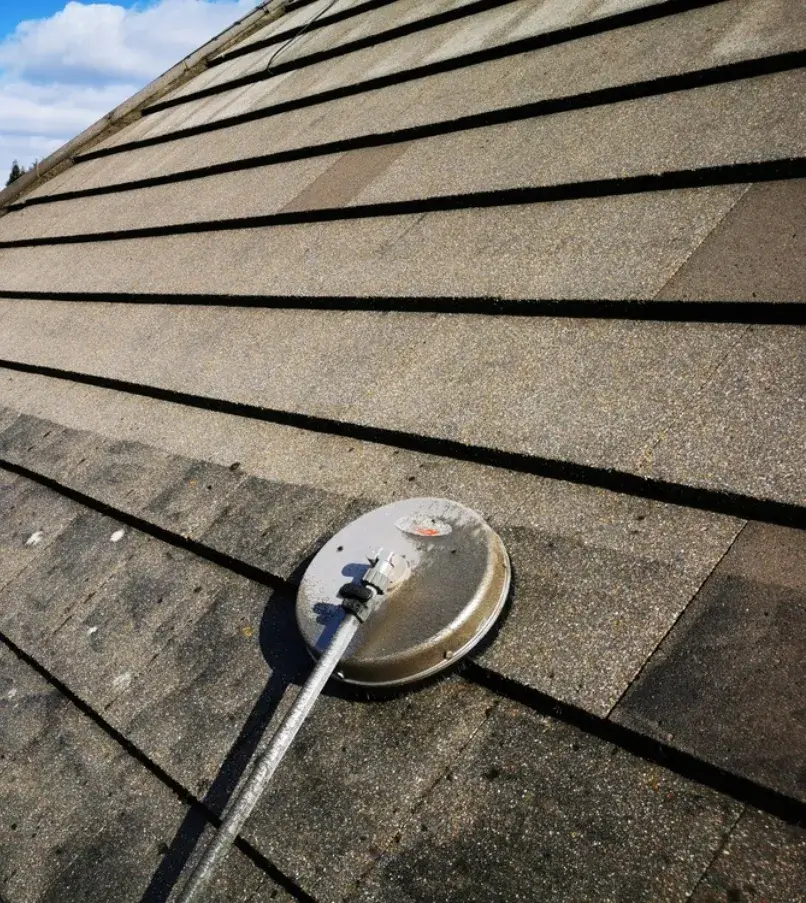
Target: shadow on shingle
[[289, 663]]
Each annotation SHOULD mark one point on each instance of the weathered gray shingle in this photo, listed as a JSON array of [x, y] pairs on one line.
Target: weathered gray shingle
[[610, 373]]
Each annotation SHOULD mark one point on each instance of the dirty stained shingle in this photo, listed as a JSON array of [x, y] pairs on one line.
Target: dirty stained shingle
[[591, 603], [533, 809], [724, 683], [80, 819]]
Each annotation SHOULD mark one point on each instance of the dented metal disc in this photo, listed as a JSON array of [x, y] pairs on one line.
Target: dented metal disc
[[447, 595]]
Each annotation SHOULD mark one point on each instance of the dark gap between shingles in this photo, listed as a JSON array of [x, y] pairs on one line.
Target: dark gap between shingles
[[374, 40], [199, 549], [523, 45], [684, 764], [290, 33], [536, 109], [732, 504], [181, 792], [727, 72], [771, 312], [706, 177]]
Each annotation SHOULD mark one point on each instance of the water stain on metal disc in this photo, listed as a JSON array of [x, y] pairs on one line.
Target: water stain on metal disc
[[456, 588]]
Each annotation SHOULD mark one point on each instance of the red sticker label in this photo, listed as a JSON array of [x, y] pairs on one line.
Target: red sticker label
[[423, 526]]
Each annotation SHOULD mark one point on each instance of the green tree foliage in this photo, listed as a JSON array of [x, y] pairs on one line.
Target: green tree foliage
[[16, 172]]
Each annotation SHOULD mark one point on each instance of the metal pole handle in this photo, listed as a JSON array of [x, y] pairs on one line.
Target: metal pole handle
[[267, 763], [359, 601]]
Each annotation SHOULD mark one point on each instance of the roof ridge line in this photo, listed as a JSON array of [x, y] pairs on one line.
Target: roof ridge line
[[717, 74], [121, 115]]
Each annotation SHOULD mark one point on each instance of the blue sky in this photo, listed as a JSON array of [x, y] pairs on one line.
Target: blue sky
[[65, 63], [33, 9]]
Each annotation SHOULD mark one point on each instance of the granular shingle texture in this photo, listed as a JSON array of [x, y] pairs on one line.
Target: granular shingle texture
[[544, 258]]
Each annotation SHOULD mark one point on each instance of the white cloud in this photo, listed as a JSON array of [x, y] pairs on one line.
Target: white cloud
[[56, 109], [109, 41], [38, 118], [58, 75]]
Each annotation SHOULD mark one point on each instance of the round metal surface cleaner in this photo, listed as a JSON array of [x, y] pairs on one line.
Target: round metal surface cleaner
[[451, 576]]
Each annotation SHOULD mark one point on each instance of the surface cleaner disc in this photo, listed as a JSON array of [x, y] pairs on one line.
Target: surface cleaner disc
[[450, 590]]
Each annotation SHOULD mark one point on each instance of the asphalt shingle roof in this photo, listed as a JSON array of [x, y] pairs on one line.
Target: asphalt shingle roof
[[544, 258]]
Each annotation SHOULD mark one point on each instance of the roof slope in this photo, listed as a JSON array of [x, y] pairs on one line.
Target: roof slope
[[544, 258]]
